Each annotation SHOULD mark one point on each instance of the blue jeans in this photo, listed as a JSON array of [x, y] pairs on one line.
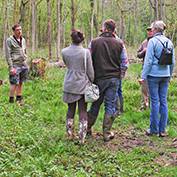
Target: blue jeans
[[119, 97], [158, 89], [119, 92], [108, 90]]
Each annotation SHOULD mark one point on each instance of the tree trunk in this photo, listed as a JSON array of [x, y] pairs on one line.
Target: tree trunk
[[92, 5], [58, 29], [49, 29], [22, 12], [33, 34], [64, 23], [72, 14], [102, 12], [135, 20], [5, 23], [28, 25], [16, 13], [162, 10], [156, 10], [122, 25]]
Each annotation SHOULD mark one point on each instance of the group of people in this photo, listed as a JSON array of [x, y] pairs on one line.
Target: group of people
[[104, 63]]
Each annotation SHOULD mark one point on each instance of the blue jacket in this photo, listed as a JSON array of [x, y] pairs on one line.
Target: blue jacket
[[151, 66]]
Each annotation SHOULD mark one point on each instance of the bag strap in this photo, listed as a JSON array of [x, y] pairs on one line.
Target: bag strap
[[85, 60], [163, 44]]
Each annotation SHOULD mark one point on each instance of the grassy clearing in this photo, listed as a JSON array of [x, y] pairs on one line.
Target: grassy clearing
[[33, 142]]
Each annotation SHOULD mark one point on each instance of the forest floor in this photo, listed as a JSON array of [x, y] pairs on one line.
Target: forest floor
[[33, 140]]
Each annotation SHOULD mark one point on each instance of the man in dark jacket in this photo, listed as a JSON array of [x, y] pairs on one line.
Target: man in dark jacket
[[107, 59]]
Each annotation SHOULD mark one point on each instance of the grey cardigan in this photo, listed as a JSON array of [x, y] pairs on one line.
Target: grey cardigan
[[76, 79], [15, 55]]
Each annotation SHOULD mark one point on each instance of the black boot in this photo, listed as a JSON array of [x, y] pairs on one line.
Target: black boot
[[107, 125], [91, 122], [121, 101]]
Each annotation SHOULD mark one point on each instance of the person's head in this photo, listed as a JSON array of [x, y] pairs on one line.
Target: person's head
[[77, 36], [109, 26], [158, 26], [149, 31], [17, 30]]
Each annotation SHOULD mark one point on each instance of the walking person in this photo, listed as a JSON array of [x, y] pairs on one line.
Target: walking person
[[76, 79], [141, 54], [106, 53], [16, 58], [158, 70]]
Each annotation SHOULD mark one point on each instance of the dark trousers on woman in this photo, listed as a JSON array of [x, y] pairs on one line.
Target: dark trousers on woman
[[82, 107]]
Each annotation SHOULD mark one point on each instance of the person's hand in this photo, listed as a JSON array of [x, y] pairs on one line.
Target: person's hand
[[144, 49], [13, 71], [141, 81]]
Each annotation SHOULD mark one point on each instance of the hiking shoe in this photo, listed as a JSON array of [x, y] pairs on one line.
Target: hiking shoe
[[163, 134], [149, 133], [108, 136]]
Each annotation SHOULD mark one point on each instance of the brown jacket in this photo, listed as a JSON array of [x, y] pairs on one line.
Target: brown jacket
[[142, 49], [106, 55]]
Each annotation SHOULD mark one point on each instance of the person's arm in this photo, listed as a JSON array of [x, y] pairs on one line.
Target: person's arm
[[63, 57], [8, 51], [173, 64], [90, 70], [124, 62], [141, 52], [148, 60]]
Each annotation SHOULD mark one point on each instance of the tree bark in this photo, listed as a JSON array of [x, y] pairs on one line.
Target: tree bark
[[72, 15], [16, 12], [22, 11], [64, 23], [156, 10], [49, 29], [58, 29], [5, 28], [162, 10], [33, 32], [92, 5]]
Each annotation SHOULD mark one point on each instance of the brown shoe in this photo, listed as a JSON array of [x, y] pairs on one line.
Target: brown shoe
[[108, 136], [163, 134]]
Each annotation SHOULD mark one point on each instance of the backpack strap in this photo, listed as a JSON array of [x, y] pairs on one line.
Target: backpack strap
[[163, 44], [85, 60]]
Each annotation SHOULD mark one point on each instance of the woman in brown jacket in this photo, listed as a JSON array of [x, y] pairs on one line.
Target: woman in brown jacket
[[76, 79]]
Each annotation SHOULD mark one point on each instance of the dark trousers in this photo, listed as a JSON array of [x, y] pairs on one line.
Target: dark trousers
[[82, 107]]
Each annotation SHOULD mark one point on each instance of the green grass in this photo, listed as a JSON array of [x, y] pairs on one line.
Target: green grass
[[33, 141]]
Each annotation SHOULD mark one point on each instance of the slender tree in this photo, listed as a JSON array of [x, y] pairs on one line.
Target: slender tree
[[5, 23], [58, 29], [92, 5], [73, 19], [49, 29], [33, 32]]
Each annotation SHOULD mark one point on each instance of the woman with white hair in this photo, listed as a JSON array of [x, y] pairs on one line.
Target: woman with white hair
[[157, 69]]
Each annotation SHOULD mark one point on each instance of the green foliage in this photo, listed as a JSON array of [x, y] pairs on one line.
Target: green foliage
[[137, 16]]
